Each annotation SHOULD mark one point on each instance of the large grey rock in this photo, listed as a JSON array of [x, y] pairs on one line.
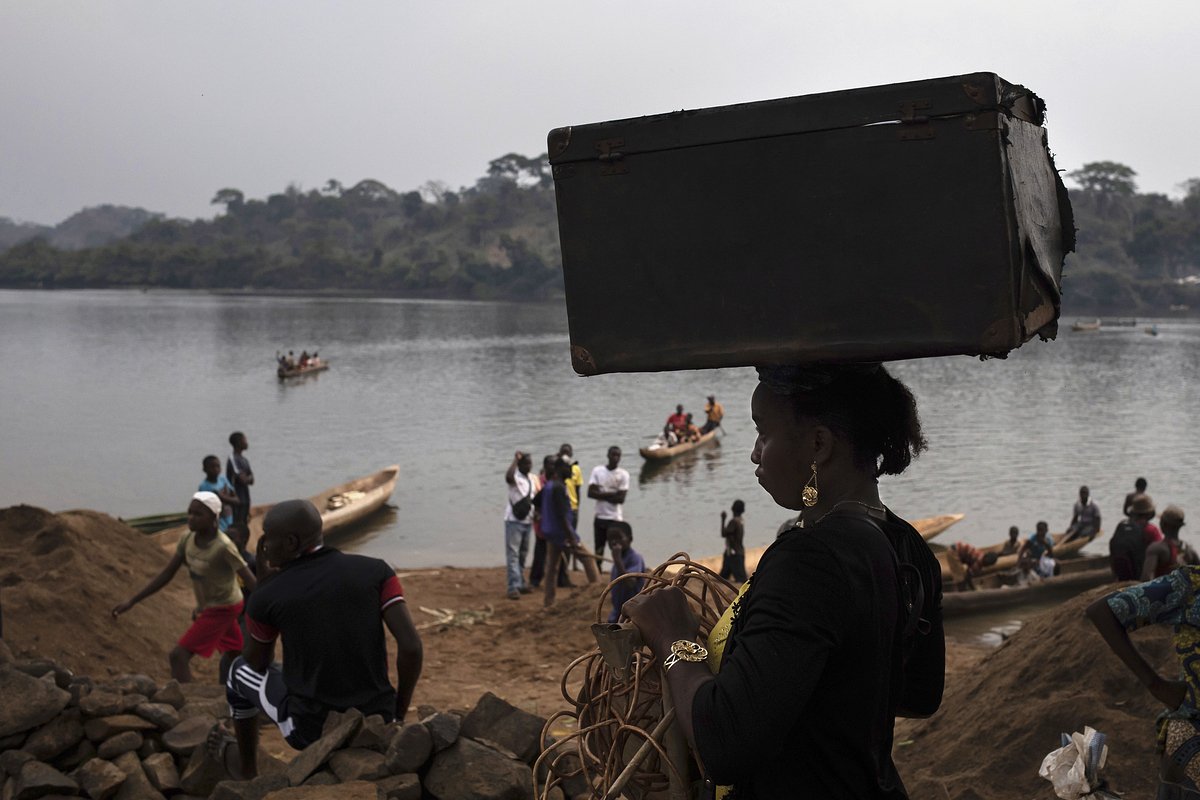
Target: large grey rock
[[358, 764], [443, 729], [6, 654], [171, 694], [13, 742], [469, 771], [161, 714], [401, 787], [102, 703], [217, 709], [189, 734], [161, 772], [254, 789], [80, 753], [135, 684], [409, 749], [136, 786], [149, 748], [99, 779], [37, 779], [358, 790], [102, 728], [27, 702], [55, 737], [124, 742], [512, 728], [202, 773], [11, 761], [373, 734], [316, 754], [321, 777], [36, 667]]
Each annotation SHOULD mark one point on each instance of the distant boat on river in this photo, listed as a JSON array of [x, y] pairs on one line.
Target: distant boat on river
[[1081, 326]]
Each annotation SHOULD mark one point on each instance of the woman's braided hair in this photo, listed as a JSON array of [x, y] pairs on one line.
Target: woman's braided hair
[[863, 403]]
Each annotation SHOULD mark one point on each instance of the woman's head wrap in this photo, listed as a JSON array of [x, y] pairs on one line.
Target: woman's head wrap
[[793, 379], [211, 500]]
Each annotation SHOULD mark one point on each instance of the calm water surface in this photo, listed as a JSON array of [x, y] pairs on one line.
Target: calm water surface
[[109, 400]]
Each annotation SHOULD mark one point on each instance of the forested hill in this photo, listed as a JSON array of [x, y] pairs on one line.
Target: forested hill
[[1137, 253]]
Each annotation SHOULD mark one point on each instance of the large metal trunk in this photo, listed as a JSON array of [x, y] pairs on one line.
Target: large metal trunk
[[916, 219]]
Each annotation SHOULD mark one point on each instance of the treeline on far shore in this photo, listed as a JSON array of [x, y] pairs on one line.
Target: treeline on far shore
[[1138, 254]]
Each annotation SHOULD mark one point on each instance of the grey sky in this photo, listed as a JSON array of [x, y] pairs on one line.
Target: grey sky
[[159, 104]]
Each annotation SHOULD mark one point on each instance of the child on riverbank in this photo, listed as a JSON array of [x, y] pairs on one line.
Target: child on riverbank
[[215, 566], [626, 561]]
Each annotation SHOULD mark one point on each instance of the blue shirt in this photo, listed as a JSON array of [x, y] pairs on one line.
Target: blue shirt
[[626, 589], [1036, 548], [226, 518]]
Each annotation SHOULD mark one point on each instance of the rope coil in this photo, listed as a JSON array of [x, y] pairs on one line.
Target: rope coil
[[617, 746]]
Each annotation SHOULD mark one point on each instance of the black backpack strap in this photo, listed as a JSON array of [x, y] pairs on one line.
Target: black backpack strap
[[909, 586]]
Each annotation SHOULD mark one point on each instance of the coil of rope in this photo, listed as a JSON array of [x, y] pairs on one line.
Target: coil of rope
[[621, 744]]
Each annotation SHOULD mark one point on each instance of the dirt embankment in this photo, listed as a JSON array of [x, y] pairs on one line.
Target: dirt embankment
[[1004, 709]]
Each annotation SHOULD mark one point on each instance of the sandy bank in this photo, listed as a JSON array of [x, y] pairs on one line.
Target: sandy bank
[[1004, 708]]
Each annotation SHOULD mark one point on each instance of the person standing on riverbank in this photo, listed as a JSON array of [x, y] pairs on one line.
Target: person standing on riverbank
[[561, 537], [1169, 553], [626, 561], [518, 522], [1085, 517], [1127, 547], [608, 485], [1174, 600], [330, 609], [238, 473], [214, 564], [733, 563], [218, 484], [1139, 487]]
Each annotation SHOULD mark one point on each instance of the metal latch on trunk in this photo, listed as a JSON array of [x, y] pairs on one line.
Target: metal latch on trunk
[[914, 126], [612, 160]]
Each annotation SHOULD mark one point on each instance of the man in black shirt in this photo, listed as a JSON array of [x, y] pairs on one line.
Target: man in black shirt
[[327, 606]]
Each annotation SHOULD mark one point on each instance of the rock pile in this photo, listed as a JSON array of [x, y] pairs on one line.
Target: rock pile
[[129, 738]]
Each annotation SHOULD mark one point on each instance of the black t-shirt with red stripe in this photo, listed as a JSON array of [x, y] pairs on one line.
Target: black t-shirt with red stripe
[[327, 606]]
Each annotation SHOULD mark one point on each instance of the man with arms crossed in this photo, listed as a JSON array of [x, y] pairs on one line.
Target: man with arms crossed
[[330, 609], [608, 486]]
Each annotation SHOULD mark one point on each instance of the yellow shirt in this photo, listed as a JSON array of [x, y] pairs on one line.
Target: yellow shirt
[[574, 484], [717, 639], [213, 570], [715, 412]]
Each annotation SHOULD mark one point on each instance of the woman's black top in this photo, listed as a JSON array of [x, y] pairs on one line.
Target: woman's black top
[[816, 666]]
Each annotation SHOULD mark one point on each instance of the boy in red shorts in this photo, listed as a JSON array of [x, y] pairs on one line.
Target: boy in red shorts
[[215, 565]]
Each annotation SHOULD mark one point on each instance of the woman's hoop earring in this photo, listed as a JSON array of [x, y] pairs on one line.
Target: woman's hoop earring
[[810, 493]]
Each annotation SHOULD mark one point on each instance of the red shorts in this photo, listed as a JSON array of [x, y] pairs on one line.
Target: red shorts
[[215, 629]]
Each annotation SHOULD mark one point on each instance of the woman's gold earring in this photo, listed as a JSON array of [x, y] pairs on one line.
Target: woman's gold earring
[[810, 494]]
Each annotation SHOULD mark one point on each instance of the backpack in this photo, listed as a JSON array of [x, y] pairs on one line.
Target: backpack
[[1127, 547]]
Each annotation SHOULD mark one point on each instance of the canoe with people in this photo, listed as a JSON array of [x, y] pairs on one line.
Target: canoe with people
[[341, 506], [680, 434], [289, 366], [1015, 587], [928, 527], [1006, 556]]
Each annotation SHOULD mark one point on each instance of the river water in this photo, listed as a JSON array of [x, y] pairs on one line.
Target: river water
[[109, 400]]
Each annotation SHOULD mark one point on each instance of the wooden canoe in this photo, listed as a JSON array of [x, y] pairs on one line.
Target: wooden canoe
[[656, 453], [1080, 327], [753, 554], [953, 572], [369, 495], [992, 595], [299, 372], [156, 522]]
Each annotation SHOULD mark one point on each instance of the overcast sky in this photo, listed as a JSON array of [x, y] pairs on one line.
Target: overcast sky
[[159, 104]]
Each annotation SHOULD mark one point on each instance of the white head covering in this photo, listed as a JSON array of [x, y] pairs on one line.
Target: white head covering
[[211, 500]]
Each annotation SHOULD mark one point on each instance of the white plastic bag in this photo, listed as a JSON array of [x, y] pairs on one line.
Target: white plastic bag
[[1074, 768]]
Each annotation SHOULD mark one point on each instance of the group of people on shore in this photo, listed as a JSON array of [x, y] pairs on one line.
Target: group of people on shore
[[321, 602], [680, 426], [544, 508]]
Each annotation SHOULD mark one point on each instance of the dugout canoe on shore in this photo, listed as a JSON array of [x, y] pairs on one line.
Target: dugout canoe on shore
[[341, 506], [928, 527], [1062, 550], [997, 591], [656, 452]]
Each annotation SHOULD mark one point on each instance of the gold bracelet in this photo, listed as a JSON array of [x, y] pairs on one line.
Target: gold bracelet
[[683, 650]]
